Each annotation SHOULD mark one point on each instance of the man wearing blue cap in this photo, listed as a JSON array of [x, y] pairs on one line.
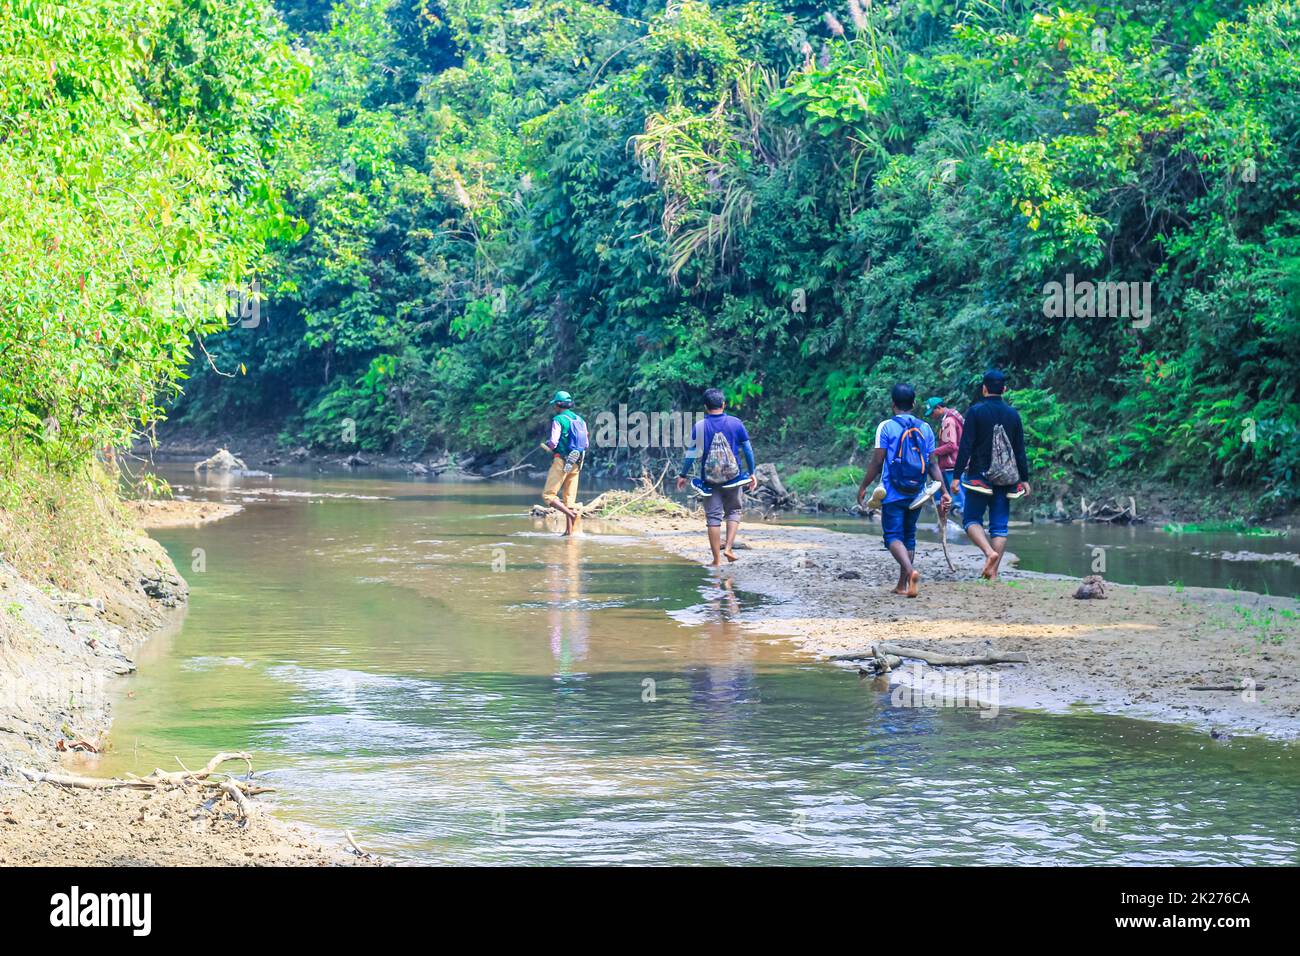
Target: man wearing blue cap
[[568, 447]]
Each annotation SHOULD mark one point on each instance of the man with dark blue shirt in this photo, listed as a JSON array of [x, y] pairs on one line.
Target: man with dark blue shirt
[[992, 467]]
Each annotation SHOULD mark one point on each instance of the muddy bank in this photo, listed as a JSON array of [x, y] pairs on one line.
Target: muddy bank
[[58, 653], [50, 826], [1138, 652]]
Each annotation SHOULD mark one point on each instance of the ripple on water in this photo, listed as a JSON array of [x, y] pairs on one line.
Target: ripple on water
[[448, 713]]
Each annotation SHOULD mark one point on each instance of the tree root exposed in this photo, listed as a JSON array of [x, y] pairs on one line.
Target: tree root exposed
[[238, 790]]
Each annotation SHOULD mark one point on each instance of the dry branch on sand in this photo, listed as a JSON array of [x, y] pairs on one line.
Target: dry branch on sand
[[645, 499], [238, 790], [886, 657]]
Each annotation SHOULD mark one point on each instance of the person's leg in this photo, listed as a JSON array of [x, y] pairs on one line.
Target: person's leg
[[973, 519], [733, 504], [892, 523], [715, 544], [713, 519], [999, 526], [571, 496], [910, 518], [552, 493]]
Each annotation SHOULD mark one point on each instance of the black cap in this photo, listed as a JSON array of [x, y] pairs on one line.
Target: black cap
[[995, 381]]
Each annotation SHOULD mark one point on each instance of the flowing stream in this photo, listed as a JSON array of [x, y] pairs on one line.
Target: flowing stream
[[424, 665]]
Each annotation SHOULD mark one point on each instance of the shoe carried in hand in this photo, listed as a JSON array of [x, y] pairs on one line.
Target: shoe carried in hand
[[929, 491], [1021, 490], [877, 498], [977, 485]]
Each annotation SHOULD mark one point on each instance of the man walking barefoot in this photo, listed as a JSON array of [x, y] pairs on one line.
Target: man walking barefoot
[[992, 467], [902, 458], [726, 465]]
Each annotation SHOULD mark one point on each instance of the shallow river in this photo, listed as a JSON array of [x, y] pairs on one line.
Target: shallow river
[[429, 668]]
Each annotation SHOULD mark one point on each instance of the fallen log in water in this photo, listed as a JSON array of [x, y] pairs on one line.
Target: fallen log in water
[[937, 658]]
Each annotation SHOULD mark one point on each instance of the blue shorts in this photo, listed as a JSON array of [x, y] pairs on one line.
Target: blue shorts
[[999, 508], [898, 522], [959, 499]]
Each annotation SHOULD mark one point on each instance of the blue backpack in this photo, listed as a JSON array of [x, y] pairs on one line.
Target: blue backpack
[[907, 464], [575, 428]]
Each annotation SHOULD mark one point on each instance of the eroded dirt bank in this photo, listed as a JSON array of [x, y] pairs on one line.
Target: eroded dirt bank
[[58, 652], [1138, 653]]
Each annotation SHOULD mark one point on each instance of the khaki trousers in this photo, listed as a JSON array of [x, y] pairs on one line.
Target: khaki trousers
[[561, 485]]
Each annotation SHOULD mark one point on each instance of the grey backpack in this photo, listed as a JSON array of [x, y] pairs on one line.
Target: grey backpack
[[1002, 463], [720, 466]]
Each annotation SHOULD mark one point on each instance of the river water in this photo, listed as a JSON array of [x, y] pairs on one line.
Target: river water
[[424, 665]]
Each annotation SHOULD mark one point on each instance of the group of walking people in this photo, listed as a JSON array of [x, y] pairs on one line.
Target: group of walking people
[[976, 466]]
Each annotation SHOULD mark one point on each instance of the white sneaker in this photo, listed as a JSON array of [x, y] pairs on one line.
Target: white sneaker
[[877, 498], [928, 492]]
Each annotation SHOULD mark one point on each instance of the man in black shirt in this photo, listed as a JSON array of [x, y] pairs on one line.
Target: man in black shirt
[[992, 467]]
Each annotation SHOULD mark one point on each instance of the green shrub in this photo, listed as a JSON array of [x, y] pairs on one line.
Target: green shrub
[[812, 480]]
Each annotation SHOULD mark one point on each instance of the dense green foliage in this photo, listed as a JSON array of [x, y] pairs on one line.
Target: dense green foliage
[[486, 199], [135, 147]]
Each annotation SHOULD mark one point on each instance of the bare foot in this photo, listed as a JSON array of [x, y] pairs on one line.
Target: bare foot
[[730, 555], [990, 567], [901, 589], [914, 584]]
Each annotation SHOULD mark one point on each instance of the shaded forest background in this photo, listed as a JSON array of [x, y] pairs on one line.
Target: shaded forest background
[[452, 207]]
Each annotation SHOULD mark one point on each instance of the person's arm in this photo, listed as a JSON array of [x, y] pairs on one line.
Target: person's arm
[[553, 442], [948, 431], [935, 472], [875, 464], [1018, 446], [964, 449], [747, 450]]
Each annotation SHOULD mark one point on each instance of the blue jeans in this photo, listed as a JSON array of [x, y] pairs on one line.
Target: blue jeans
[[959, 499], [999, 508], [898, 522]]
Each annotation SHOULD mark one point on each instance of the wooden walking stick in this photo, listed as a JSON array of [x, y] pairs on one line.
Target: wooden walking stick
[[943, 534]]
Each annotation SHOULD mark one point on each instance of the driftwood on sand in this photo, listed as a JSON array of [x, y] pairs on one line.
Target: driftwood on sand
[[894, 653], [771, 491], [238, 790], [646, 498]]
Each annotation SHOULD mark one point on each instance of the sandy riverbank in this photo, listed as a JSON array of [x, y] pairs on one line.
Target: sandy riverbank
[[174, 513], [58, 653], [1137, 653]]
